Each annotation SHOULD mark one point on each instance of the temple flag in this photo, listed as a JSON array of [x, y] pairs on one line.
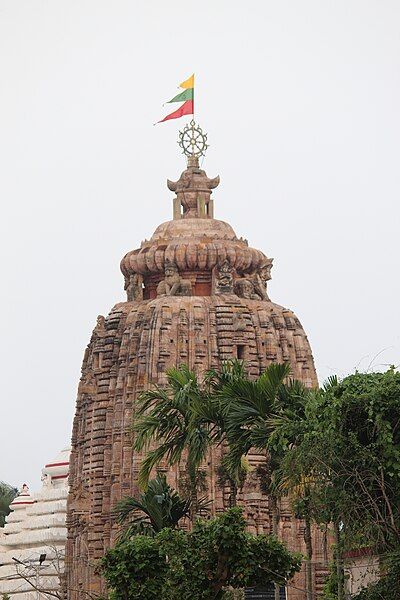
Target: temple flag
[[187, 97]]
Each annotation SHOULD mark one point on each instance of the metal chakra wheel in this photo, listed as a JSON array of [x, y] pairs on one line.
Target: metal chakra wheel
[[193, 140]]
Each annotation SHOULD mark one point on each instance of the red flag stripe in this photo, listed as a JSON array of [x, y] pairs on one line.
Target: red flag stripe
[[186, 109]]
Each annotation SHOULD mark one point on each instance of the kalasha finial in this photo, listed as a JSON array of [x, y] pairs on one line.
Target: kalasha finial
[[193, 141]]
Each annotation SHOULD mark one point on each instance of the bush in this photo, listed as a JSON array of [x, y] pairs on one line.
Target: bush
[[199, 565]]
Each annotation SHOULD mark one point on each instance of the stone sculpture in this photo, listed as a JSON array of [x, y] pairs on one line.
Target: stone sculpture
[[134, 287], [193, 193], [223, 278], [46, 480], [254, 285], [173, 284], [100, 325], [260, 279], [244, 288]]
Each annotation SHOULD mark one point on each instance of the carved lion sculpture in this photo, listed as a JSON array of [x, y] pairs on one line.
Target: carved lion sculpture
[[254, 285]]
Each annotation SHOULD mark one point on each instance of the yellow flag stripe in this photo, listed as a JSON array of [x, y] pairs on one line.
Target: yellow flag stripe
[[189, 83]]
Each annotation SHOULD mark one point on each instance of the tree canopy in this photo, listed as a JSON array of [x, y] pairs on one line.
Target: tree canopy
[[348, 446], [200, 564]]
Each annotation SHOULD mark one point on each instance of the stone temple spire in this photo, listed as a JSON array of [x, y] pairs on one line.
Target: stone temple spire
[[193, 188], [196, 294]]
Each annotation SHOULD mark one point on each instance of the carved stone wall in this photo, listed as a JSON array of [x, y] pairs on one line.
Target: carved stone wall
[[185, 316]]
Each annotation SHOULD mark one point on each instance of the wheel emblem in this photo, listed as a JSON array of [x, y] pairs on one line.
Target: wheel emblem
[[192, 140]]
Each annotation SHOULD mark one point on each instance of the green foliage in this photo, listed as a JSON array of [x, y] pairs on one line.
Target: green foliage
[[164, 418], [136, 569], [331, 583], [341, 462], [347, 447], [335, 451], [198, 565], [248, 406], [7, 495], [158, 507], [6, 597]]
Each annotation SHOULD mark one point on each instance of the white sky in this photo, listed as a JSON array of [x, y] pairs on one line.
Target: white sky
[[301, 103]]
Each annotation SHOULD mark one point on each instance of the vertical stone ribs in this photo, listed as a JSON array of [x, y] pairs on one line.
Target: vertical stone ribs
[[89, 501], [131, 350]]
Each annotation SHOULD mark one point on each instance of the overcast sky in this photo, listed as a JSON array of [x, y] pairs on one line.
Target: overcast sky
[[301, 101]]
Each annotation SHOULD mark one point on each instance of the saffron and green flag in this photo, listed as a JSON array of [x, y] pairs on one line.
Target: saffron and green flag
[[187, 97]]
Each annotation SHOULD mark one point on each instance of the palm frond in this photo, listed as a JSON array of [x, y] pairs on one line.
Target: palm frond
[[331, 382], [167, 418], [231, 370], [158, 507], [273, 378], [153, 458], [232, 461]]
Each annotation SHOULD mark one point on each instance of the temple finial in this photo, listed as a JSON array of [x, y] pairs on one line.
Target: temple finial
[[193, 142], [193, 188]]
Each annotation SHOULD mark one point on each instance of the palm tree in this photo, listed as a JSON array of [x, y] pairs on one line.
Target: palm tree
[[248, 406], [7, 495], [211, 409], [164, 416], [158, 507]]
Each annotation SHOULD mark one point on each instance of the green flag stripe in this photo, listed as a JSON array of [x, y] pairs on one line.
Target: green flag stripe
[[183, 96]]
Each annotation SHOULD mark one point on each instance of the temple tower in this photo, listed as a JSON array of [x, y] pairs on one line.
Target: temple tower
[[196, 294], [32, 543]]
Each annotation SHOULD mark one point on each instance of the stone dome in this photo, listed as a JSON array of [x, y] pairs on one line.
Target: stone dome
[[186, 228], [194, 242]]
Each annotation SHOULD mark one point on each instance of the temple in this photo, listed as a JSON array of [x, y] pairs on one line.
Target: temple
[[196, 294], [32, 544]]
